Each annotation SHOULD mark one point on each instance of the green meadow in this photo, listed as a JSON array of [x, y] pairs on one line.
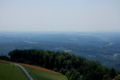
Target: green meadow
[[42, 75], [9, 71]]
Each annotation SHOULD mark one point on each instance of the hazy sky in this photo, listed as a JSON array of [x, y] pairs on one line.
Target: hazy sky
[[59, 15]]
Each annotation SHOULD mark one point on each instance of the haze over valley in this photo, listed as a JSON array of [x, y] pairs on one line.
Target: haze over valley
[[103, 47]]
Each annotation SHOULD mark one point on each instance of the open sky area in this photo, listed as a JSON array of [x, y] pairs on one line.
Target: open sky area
[[60, 15]]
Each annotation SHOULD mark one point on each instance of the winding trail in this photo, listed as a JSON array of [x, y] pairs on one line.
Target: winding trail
[[25, 71]]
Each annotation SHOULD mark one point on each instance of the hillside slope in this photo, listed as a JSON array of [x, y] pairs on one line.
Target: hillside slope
[[10, 71], [42, 75], [39, 73], [74, 67]]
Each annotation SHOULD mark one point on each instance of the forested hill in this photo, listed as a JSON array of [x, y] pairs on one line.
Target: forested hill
[[74, 67]]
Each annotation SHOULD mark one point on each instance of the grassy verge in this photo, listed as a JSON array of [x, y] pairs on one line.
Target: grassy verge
[[9, 71], [42, 75]]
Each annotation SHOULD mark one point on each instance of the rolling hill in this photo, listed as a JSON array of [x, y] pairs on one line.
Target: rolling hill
[[10, 71]]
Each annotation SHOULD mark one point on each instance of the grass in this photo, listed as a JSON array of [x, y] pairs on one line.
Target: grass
[[9, 71], [42, 75]]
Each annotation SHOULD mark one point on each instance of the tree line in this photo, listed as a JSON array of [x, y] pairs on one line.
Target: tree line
[[74, 67]]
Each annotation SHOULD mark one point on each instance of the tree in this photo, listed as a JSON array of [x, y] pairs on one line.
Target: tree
[[112, 73], [117, 77], [106, 77]]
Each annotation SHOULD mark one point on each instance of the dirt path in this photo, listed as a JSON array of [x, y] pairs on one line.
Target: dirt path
[[25, 71]]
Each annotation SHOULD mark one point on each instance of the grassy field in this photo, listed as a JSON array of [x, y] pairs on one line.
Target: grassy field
[[9, 71], [42, 75]]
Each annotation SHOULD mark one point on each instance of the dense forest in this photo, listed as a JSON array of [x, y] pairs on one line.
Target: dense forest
[[74, 67]]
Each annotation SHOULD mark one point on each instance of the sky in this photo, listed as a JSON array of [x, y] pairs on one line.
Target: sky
[[60, 15]]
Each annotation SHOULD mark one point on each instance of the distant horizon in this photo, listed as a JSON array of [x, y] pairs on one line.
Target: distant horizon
[[59, 32]]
